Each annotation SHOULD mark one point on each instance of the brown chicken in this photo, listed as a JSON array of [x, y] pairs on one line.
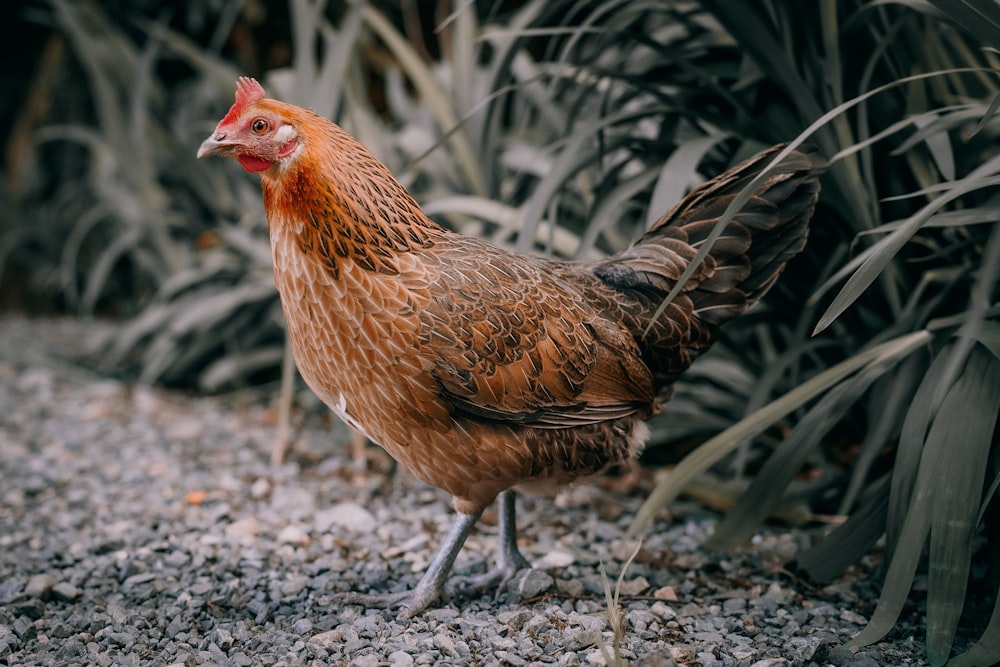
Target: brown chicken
[[479, 369]]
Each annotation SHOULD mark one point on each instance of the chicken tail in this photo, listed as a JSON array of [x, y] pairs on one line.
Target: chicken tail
[[744, 262]]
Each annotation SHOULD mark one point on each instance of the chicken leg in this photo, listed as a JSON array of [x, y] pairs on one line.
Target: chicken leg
[[431, 586]]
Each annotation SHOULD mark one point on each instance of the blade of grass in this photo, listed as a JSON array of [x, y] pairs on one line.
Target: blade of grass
[[715, 449], [609, 210], [967, 417], [101, 269], [887, 248], [980, 17], [233, 369], [909, 451], [989, 336], [960, 218], [222, 73], [988, 117], [886, 418], [939, 497], [616, 617], [771, 481], [852, 540], [906, 557], [671, 185], [575, 151], [744, 196], [425, 83], [328, 90], [986, 651]]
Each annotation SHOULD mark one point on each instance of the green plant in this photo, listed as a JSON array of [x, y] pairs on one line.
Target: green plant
[[616, 616], [564, 128], [896, 303]]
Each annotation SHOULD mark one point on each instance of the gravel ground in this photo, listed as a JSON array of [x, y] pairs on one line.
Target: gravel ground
[[144, 527]]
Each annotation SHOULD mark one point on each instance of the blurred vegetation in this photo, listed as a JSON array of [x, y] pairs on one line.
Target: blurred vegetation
[[866, 386]]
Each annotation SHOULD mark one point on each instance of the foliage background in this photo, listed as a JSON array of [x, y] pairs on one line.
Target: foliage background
[[868, 384]]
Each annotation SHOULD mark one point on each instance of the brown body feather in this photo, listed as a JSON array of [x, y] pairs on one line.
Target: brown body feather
[[480, 369]]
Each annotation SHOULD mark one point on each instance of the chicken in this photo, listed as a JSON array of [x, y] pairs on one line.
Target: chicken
[[481, 370]]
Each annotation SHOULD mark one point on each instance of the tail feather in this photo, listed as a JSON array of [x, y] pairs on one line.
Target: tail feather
[[744, 262]]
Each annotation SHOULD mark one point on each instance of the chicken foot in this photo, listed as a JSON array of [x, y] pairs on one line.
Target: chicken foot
[[509, 559], [431, 586]]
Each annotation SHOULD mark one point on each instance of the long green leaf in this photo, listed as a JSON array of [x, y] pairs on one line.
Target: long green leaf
[[964, 427], [886, 249], [979, 300], [771, 481], [682, 164], [740, 200], [852, 540], [424, 81], [910, 449], [890, 398], [937, 500], [906, 557], [715, 449], [979, 17], [989, 336], [609, 210], [986, 651]]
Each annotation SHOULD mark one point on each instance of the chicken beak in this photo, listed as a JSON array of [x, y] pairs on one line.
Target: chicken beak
[[217, 145]]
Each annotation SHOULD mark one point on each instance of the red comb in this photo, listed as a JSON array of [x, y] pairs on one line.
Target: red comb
[[248, 91]]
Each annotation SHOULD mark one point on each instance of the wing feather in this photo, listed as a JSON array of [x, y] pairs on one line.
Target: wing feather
[[510, 343]]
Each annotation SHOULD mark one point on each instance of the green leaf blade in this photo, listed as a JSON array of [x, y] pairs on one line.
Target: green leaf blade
[[964, 427]]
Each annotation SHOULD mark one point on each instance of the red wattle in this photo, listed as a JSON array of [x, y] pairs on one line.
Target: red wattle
[[252, 164]]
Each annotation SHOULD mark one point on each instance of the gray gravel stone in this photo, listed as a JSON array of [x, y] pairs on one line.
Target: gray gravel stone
[[400, 659], [65, 591], [577, 640], [39, 586], [530, 583], [143, 527]]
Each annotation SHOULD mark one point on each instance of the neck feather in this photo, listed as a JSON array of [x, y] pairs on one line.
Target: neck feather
[[345, 204]]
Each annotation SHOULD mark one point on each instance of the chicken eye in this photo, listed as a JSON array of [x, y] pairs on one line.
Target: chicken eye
[[260, 126]]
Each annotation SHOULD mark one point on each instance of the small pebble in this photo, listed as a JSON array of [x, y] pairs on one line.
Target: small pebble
[[570, 587], [577, 640], [513, 620], [350, 516], [709, 660], [327, 639], [665, 593], [734, 605], [65, 591], [302, 626], [248, 527], [556, 559], [441, 614], [39, 586], [260, 488], [400, 659], [446, 645], [852, 617], [531, 583], [509, 658], [633, 586], [293, 535], [33, 608]]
